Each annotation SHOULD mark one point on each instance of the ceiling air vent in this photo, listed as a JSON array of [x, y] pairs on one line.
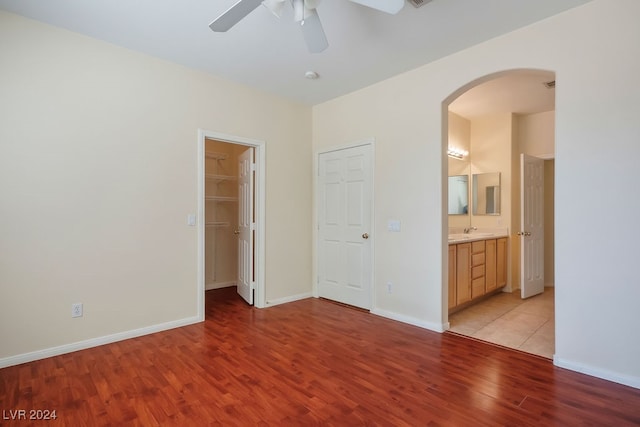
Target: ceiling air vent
[[418, 3], [550, 85]]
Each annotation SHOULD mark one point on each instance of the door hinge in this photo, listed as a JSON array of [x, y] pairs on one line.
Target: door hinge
[[253, 167]]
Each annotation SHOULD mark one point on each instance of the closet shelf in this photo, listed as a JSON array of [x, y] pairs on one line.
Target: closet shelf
[[217, 224], [215, 155], [220, 178], [221, 198]]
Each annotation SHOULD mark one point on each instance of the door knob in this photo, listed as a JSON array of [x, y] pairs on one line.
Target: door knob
[[523, 233], [365, 236], [236, 231]]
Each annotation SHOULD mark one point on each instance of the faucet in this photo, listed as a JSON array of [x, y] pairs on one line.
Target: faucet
[[468, 230]]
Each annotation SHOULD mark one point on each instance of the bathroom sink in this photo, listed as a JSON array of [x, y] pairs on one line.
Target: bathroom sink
[[476, 235], [459, 236], [468, 236]]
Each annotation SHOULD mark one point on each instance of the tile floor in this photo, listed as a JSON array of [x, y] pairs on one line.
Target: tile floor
[[506, 319]]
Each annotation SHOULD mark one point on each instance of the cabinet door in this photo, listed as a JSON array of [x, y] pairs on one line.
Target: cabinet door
[[501, 262], [463, 273], [452, 276], [490, 268]]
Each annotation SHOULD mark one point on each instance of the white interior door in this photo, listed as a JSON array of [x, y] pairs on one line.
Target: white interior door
[[532, 226], [345, 195], [246, 225]]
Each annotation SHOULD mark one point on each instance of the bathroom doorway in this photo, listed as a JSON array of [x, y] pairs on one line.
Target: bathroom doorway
[[491, 122]]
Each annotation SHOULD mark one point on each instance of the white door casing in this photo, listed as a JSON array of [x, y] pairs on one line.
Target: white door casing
[[345, 238], [259, 189], [532, 226], [246, 225]]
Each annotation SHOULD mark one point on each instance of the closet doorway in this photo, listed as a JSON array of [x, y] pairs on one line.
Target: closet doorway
[[231, 215]]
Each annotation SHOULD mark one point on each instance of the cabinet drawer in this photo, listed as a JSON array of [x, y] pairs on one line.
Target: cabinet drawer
[[477, 246], [477, 287], [477, 259], [477, 272]]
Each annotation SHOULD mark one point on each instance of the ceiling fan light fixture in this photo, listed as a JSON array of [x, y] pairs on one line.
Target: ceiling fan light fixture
[[301, 11], [274, 6], [311, 75]]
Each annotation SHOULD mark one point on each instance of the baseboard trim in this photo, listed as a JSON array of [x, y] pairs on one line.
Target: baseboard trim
[[596, 372], [292, 298], [219, 285], [436, 327], [94, 342]]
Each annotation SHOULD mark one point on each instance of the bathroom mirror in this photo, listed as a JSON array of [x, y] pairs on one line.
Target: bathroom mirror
[[459, 195], [486, 193]]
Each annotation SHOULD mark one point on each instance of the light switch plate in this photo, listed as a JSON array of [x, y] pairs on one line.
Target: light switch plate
[[393, 225], [191, 220]]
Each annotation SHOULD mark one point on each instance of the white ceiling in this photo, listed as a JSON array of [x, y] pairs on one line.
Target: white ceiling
[[366, 46]]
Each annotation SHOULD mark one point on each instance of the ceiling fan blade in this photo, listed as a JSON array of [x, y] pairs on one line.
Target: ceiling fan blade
[[313, 32], [233, 15], [388, 6]]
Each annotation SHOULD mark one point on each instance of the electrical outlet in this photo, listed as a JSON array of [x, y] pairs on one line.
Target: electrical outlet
[[76, 310], [389, 287]]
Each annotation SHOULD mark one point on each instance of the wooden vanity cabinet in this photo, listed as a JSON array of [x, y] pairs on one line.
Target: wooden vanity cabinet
[[501, 262], [452, 276], [476, 269], [463, 273], [490, 281]]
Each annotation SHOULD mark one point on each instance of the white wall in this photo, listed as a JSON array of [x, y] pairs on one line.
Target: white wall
[[596, 120], [98, 155]]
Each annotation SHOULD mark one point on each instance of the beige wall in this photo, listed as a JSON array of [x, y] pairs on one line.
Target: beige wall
[[596, 110], [491, 152], [459, 134], [98, 172], [536, 134]]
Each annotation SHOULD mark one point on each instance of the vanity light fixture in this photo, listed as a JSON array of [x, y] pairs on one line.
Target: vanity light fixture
[[456, 153]]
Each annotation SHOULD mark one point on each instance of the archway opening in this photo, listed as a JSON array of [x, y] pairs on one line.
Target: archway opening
[[490, 123]]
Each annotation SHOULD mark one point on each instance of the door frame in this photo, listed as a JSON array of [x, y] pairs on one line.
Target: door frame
[[260, 204], [316, 171]]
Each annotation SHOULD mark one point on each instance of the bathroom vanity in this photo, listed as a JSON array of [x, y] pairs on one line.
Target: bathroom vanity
[[477, 267]]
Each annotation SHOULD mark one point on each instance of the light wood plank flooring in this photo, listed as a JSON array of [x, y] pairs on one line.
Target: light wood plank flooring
[[506, 319], [308, 363]]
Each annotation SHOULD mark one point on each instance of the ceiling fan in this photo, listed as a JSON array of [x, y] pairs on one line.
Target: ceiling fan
[[304, 11]]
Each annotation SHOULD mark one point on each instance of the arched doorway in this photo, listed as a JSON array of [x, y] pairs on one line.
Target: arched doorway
[[491, 121]]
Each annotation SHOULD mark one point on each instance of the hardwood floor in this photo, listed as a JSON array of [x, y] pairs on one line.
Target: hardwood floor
[[309, 362]]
